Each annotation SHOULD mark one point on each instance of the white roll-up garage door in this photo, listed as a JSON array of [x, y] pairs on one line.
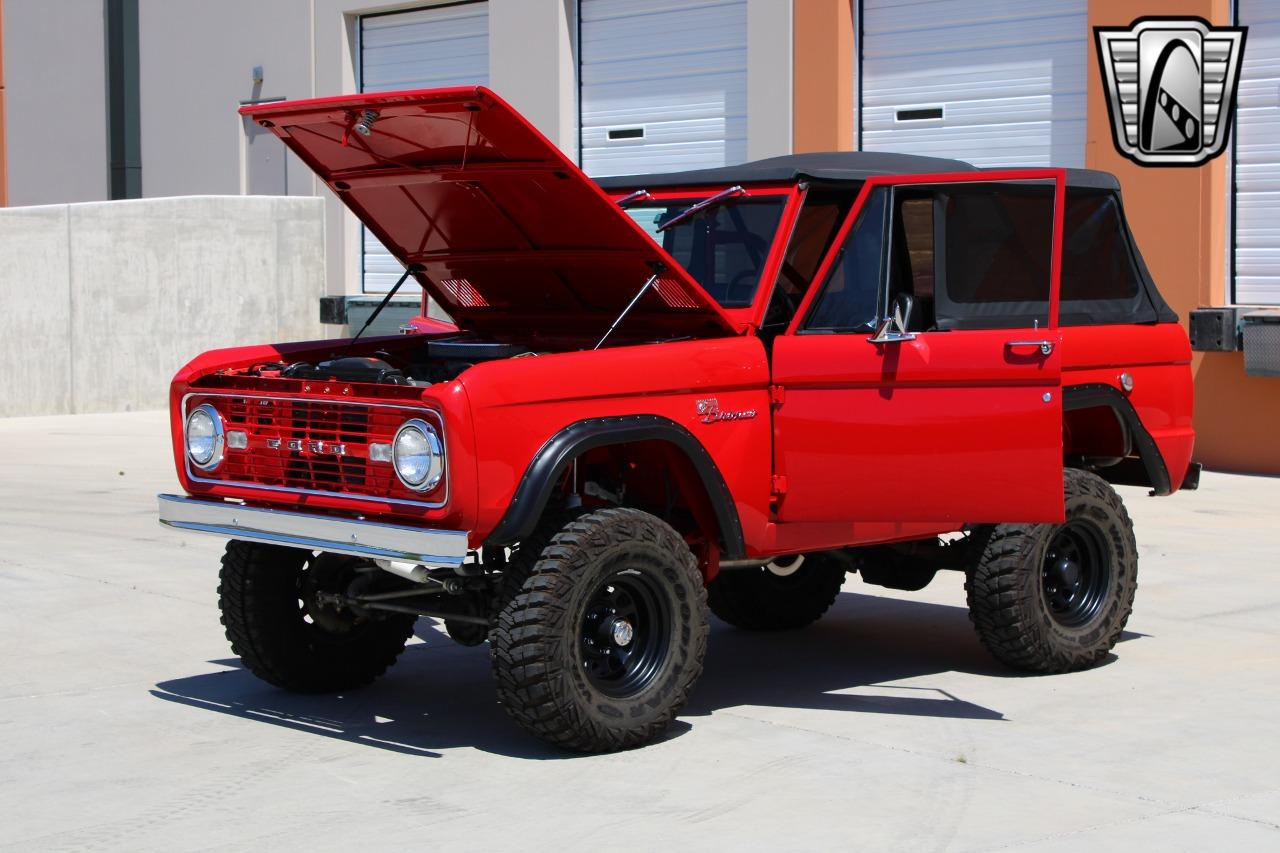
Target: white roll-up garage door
[[1258, 157], [424, 48], [664, 85], [993, 82]]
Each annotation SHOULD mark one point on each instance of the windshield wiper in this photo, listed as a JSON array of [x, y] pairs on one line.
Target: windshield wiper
[[694, 209]]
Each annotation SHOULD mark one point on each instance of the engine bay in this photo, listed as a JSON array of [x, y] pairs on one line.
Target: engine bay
[[433, 361]]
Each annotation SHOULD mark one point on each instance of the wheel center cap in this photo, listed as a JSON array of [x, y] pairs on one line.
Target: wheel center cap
[[621, 631], [1069, 572]]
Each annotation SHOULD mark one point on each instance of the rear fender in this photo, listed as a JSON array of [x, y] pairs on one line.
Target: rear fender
[[1151, 470]]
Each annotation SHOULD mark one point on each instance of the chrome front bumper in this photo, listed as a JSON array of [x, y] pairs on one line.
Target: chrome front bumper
[[370, 539]]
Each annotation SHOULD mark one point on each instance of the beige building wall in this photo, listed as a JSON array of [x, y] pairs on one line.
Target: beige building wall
[[196, 62], [55, 111], [196, 67], [543, 83], [770, 77], [3, 156]]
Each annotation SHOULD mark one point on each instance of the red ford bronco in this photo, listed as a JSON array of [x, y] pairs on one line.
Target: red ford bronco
[[663, 396]]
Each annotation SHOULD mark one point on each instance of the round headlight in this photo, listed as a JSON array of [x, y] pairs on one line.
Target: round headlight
[[417, 455], [206, 438]]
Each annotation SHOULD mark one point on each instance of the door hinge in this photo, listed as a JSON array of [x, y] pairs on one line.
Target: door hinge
[[779, 485], [777, 395]]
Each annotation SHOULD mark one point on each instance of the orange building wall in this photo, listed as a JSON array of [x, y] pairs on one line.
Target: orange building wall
[[823, 75], [1179, 216]]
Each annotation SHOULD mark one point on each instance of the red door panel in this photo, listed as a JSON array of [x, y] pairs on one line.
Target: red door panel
[[945, 427], [950, 427]]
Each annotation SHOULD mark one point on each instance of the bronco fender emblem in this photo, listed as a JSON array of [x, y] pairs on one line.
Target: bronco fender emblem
[[709, 412]]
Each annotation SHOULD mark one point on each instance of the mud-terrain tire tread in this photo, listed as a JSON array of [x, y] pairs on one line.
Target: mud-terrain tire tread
[[529, 550], [525, 644], [755, 600], [257, 597], [1006, 623]]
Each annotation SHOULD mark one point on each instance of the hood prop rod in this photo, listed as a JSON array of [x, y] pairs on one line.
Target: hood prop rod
[[408, 271], [658, 269]]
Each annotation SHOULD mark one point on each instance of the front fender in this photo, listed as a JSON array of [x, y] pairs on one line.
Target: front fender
[[554, 458], [529, 414]]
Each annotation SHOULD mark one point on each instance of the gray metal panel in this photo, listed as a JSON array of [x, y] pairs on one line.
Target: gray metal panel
[[1261, 333], [673, 70], [1008, 76], [422, 49], [1258, 157]]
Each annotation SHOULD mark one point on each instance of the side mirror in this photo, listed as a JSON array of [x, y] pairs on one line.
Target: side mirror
[[894, 327]]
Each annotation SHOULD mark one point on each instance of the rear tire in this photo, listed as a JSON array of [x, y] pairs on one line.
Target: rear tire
[[761, 600], [599, 650], [1055, 597], [286, 637]]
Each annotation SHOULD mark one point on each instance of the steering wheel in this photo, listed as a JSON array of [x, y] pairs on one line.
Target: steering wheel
[[748, 276]]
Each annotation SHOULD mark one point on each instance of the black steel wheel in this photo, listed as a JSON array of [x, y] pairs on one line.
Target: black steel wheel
[[602, 645], [625, 634], [277, 609], [1056, 597], [789, 594], [1076, 573]]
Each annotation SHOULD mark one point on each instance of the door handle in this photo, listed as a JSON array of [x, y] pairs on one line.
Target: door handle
[[1046, 347]]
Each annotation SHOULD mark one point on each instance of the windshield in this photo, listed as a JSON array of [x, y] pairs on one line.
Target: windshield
[[724, 248]]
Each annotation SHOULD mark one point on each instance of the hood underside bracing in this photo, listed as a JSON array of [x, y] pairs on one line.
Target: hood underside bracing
[[504, 231]]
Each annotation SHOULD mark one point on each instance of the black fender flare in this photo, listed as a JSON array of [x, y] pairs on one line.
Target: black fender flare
[[554, 457], [1092, 395]]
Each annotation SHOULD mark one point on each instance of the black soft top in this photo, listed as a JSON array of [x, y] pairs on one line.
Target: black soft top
[[829, 167], [835, 167]]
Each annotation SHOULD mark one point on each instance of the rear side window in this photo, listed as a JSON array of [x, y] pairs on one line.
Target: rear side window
[[1097, 263]]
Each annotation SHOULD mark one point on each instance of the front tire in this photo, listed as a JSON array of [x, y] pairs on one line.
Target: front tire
[[762, 599], [273, 609], [1055, 598], [599, 650]]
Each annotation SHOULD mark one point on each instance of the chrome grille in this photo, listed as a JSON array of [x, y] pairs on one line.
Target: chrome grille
[[313, 445]]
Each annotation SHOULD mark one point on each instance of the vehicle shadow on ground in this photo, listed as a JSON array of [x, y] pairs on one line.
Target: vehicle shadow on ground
[[440, 696]]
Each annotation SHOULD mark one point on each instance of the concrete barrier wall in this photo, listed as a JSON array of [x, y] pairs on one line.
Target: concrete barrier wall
[[103, 302]]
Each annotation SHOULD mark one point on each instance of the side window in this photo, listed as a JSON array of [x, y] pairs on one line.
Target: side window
[[849, 299], [996, 253], [820, 218], [1100, 280], [911, 255]]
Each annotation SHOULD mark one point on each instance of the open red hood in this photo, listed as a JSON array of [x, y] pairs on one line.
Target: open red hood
[[508, 235]]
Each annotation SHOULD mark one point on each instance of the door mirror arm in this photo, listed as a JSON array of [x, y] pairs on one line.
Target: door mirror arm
[[893, 329]]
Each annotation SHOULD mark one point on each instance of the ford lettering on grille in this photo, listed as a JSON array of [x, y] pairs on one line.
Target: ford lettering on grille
[[313, 445]]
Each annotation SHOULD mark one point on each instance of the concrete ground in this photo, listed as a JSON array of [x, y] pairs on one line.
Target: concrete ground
[[125, 723]]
